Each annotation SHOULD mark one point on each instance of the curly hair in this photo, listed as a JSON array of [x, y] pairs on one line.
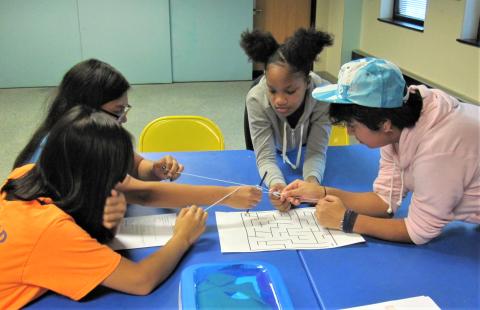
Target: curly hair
[[298, 51]]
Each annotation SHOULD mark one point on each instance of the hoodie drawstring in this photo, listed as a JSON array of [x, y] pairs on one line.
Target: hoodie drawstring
[[400, 198], [284, 147]]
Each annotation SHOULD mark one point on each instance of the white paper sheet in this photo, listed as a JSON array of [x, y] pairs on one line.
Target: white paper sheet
[[273, 230], [144, 231], [419, 302]]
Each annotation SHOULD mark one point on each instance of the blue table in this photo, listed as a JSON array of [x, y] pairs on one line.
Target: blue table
[[238, 166], [447, 269]]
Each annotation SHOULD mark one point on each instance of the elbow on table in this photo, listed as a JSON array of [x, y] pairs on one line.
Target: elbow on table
[[144, 284]]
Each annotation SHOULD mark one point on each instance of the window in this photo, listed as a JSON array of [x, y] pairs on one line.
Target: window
[[410, 11], [478, 34], [405, 13], [471, 24]]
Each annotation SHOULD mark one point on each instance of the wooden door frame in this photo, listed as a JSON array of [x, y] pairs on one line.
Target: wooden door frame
[[313, 8]]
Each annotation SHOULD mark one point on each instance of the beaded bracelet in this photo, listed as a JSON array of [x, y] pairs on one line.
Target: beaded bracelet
[[349, 218]]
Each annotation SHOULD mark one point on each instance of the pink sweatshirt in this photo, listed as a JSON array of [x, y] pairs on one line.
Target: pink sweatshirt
[[438, 160]]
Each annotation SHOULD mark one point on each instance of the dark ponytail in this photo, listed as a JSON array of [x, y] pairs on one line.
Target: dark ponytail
[[405, 116]]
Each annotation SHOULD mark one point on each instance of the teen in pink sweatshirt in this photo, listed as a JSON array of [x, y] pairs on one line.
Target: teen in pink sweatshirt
[[430, 144]]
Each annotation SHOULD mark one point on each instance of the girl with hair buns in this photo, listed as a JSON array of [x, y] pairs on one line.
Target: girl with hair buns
[[282, 115]]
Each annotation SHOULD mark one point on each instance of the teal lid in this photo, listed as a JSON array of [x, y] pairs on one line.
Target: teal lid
[[252, 285]]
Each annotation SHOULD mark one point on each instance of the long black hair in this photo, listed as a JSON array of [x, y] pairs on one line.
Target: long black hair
[[299, 51], [405, 116], [87, 153], [91, 83]]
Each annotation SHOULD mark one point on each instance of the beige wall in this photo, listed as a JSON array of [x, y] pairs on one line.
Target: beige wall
[[329, 18], [433, 55]]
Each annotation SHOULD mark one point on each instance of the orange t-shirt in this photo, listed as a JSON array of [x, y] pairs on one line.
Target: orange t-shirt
[[41, 248]]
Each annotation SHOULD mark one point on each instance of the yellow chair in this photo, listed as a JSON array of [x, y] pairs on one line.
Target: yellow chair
[[339, 136], [181, 133]]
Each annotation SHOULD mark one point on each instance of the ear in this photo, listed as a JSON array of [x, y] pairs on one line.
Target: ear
[[387, 126]]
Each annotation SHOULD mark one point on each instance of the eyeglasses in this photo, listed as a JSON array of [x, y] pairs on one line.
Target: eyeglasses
[[122, 116]]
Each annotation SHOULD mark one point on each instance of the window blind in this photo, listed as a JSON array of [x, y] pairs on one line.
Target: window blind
[[412, 8]]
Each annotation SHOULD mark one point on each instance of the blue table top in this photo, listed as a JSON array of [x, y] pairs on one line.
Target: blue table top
[[447, 269], [237, 166]]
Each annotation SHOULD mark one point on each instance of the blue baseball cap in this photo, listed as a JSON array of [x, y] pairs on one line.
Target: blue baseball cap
[[368, 82]]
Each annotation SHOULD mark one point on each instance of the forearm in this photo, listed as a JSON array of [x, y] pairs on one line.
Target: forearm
[[367, 203], [267, 163], [386, 229], [157, 194], [159, 265], [314, 168], [316, 150], [141, 278], [144, 170]]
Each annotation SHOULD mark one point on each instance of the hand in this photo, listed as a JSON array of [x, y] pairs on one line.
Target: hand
[[167, 168], [246, 197], [329, 212], [278, 202], [114, 210], [190, 224], [300, 191]]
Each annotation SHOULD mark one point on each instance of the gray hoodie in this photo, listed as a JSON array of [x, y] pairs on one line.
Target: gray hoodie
[[271, 132]]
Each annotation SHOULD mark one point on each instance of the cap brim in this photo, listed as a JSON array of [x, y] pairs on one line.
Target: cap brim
[[329, 93]]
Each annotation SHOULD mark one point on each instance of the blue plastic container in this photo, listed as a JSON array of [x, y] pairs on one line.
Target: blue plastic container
[[242, 285]]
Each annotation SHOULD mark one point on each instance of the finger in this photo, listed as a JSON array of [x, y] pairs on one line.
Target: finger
[[192, 209], [331, 198], [294, 184], [274, 196], [173, 170], [108, 225], [294, 201], [255, 190], [182, 212], [180, 167], [113, 193], [199, 213], [113, 216]]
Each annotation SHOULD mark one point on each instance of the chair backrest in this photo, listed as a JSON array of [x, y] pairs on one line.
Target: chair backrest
[[339, 136], [246, 125], [181, 133]]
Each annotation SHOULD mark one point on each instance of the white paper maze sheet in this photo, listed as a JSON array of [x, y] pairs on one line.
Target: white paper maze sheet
[[273, 230]]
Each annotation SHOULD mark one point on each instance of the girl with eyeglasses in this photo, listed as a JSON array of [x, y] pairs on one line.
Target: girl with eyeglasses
[[98, 85]]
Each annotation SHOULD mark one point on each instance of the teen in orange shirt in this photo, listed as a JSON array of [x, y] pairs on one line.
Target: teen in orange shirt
[[51, 217]]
